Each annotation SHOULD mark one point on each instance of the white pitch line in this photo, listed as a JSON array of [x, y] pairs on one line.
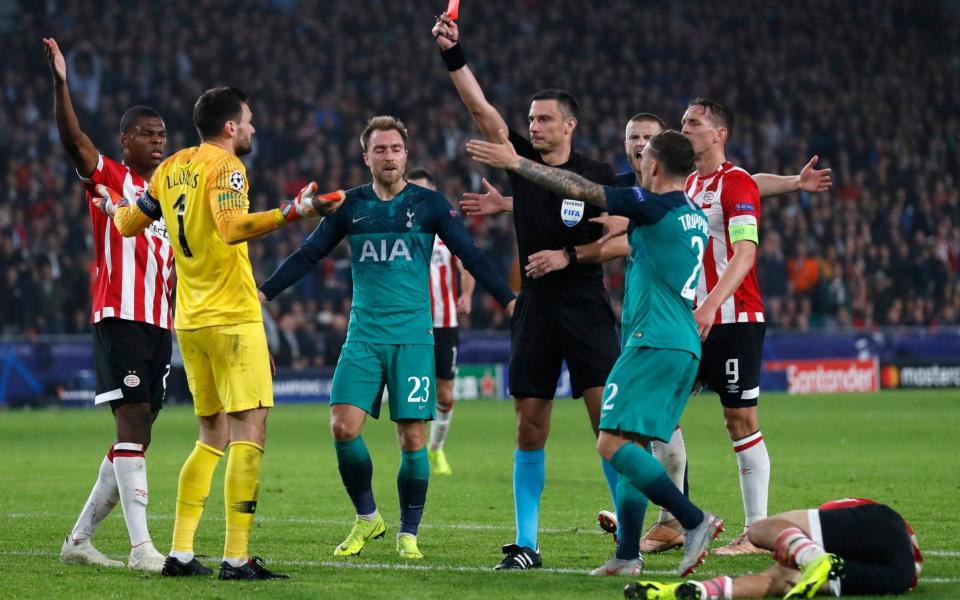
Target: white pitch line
[[428, 525], [942, 553], [351, 564], [318, 521], [354, 564]]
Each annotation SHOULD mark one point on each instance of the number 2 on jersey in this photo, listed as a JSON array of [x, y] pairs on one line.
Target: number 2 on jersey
[[689, 290], [181, 206]]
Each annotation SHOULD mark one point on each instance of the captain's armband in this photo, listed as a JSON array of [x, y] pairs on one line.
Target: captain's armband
[[149, 206], [743, 227]]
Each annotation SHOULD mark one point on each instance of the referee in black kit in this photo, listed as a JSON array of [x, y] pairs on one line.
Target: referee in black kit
[[565, 315]]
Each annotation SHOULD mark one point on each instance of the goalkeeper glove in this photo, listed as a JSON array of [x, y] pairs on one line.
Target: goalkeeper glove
[[108, 200], [310, 204]]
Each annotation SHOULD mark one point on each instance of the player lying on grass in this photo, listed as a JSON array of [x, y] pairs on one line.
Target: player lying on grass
[[390, 225], [648, 386], [846, 547]]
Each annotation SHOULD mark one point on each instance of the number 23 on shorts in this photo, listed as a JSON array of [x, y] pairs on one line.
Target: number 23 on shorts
[[419, 390]]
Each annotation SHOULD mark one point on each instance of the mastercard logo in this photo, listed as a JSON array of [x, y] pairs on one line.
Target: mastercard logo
[[890, 376]]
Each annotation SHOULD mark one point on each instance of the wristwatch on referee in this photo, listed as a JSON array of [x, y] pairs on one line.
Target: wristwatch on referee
[[571, 254]]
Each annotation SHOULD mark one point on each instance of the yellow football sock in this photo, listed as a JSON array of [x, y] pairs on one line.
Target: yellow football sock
[[240, 489], [192, 491]]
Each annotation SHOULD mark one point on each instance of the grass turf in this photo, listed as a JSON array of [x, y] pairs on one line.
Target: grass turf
[[896, 447]]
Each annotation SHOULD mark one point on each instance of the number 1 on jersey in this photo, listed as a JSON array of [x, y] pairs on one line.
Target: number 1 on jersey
[[181, 206]]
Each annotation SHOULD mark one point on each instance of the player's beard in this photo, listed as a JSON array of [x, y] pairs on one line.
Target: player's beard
[[635, 165], [243, 146], [387, 178]]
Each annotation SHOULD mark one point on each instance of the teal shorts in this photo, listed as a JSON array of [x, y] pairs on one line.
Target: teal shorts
[[406, 370], [647, 391]]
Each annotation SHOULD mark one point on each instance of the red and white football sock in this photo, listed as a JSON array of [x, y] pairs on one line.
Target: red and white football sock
[[130, 468], [718, 588], [673, 456], [103, 497], [754, 465], [793, 547], [440, 427]]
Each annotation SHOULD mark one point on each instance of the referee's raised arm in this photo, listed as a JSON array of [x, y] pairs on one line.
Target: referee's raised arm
[[447, 35]]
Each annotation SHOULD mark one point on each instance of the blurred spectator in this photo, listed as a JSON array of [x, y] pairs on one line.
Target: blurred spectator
[[85, 69], [803, 272], [771, 268]]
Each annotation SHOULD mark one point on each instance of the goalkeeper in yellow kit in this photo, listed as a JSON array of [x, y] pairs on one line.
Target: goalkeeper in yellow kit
[[202, 193]]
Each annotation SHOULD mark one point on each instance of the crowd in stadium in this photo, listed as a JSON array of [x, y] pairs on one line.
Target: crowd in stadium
[[881, 249]]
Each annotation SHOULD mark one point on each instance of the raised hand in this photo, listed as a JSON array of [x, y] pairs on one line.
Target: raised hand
[[501, 155], [445, 32], [814, 180], [612, 225], [491, 203], [58, 66]]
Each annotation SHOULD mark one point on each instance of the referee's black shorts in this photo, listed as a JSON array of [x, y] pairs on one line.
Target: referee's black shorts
[[872, 540], [550, 326], [131, 362]]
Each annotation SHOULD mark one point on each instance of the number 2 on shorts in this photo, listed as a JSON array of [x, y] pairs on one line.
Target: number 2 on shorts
[[612, 389]]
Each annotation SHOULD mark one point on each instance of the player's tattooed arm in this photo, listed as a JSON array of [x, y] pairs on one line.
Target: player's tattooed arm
[[558, 181], [563, 183]]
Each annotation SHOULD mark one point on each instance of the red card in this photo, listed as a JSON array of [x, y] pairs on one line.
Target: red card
[[453, 9]]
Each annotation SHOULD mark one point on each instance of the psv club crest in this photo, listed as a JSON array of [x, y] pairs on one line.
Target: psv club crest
[[571, 211]]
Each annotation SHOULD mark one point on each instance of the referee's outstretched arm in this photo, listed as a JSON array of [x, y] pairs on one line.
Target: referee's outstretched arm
[[447, 35]]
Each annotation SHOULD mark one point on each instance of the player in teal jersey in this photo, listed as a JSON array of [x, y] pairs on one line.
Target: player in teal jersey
[[648, 386], [390, 225]]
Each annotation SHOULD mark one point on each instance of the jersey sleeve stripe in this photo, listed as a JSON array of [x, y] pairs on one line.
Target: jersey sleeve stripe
[[93, 176]]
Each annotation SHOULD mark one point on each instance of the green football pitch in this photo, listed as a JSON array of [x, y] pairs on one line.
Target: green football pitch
[[899, 448]]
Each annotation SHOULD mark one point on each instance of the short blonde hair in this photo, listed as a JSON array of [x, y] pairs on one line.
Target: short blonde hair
[[382, 123]]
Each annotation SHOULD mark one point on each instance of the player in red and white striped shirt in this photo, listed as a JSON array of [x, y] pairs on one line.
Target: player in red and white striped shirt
[[131, 322], [729, 311], [446, 301]]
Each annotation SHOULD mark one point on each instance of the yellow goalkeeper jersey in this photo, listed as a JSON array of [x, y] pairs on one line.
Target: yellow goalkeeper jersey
[[196, 188]]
